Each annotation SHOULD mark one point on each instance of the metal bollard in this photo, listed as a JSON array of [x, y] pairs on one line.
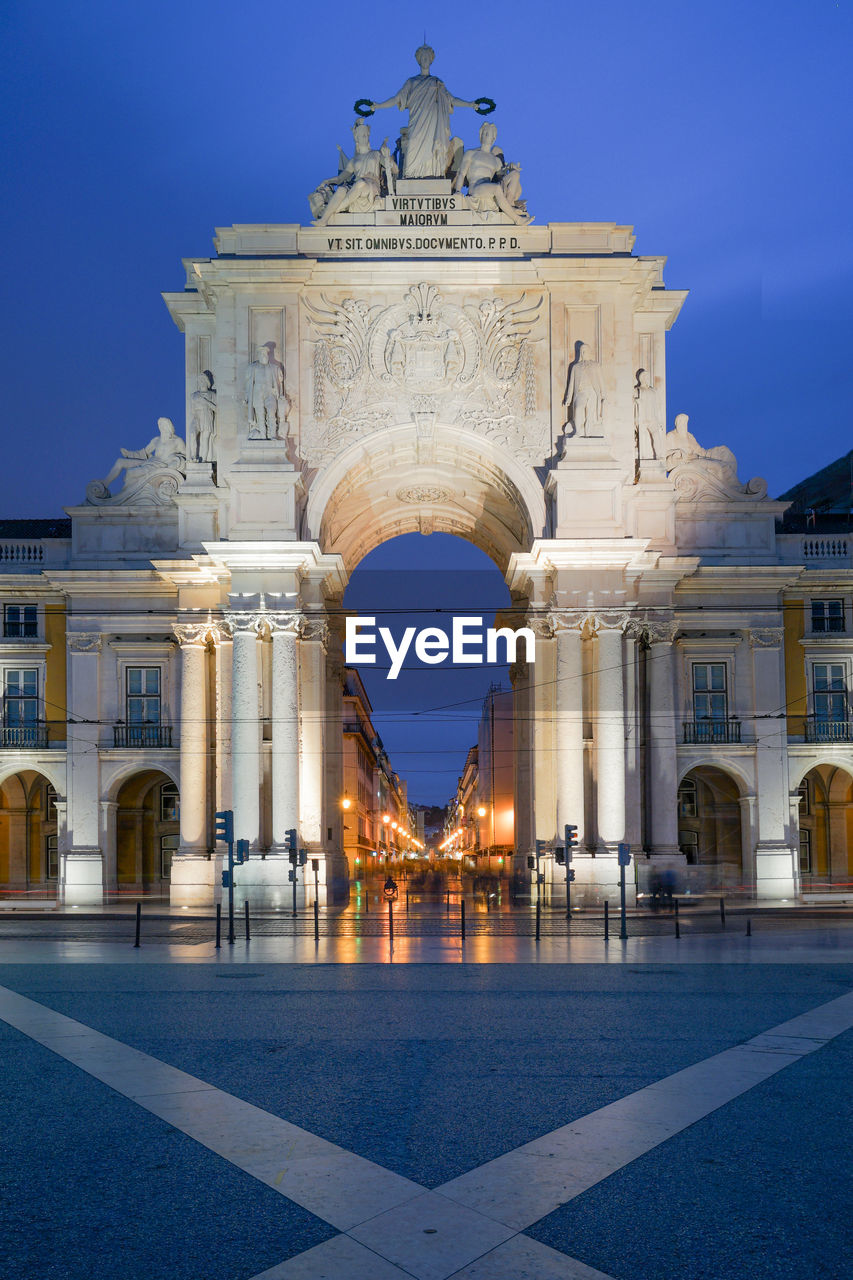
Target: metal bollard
[[606, 921], [316, 920], [677, 925], [749, 926], [138, 922], [366, 898], [391, 920], [462, 917], [723, 912], [218, 925], [246, 913], [538, 918]]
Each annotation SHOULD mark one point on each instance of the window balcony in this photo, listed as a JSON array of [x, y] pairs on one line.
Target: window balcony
[[142, 735], [711, 732], [821, 729], [23, 737]]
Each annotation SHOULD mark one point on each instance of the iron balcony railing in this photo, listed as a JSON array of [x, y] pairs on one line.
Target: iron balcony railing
[[820, 729], [711, 732], [23, 736], [142, 735]]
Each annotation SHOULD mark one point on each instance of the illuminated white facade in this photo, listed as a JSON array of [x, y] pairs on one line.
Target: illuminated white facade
[[364, 377]]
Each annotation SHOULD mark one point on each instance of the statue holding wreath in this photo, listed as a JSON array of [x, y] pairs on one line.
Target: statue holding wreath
[[429, 103]]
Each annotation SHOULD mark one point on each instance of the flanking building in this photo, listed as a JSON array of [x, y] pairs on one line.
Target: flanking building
[[423, 358]]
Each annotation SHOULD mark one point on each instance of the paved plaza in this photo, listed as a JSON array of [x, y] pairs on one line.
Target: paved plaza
[[498, 1109]]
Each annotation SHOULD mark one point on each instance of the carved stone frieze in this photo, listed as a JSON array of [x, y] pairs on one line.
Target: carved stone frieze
[[421, 494], [421, 359]]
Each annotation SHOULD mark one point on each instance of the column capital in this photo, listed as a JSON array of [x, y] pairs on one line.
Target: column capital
[[541, 624], [191, 633], [243, 623], [84, 641], [566, 620], [315, 629], [660, 630], [603, 620], [284, 623]]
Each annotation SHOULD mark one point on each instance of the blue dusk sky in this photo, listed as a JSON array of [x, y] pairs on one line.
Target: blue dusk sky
[[721, 132]]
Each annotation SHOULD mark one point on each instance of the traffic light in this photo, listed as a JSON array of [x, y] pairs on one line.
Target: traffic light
[[560, 857], [303, 857], [290, 839], [224, 826], [571, 874], [571, 836], [531, 861], [241, 853]]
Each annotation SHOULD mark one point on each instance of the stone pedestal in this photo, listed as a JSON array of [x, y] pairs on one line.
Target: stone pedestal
[[586, 491], [264, 488], [198, 507]]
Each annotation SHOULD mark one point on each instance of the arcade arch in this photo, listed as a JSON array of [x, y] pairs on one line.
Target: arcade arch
[[710, 828], [147, 824], [826, 827], [29, 856]]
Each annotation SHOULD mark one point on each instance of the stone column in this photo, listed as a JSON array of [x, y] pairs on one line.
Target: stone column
[[312, 650], [661, 756], [193, 740], [224, 663], [523, 738], [610, 733], [776, 860], [246, 729], [569, 724], [284, 628], [84, 872]]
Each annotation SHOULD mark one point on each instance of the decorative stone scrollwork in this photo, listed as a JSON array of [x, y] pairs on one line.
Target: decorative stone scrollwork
[[567, 619], [315, 629], [541, 626], [767, 638], [244, 622], [84, 641], [660, 630], [421, 358], [419, 494], [284, 623]]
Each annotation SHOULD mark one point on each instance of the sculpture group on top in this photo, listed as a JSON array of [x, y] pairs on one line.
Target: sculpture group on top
[[705, 473], [152, 475], [425, 149]]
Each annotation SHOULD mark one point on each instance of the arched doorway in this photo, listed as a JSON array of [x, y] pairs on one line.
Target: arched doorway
[[709, 828], [438, 734], [826, 829], [29, 855], [147, 832]]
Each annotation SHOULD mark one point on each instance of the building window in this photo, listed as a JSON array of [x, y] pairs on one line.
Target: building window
[[689, 845], [143, 695], [830, 692], [20, 621], [687, 805], [49, 803], [805, 851], [20, 697], [827, 615], [709, 691], [805, 803], [51, 858], [169, 803], [168, 847]]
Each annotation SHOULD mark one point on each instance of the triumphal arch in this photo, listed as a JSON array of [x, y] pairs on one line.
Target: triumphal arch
[[424, 355]]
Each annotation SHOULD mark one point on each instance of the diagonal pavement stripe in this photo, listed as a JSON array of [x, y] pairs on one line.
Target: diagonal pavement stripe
[[467, 1228]]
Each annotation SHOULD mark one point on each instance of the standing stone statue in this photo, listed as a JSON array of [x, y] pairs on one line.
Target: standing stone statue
[[585, 394], [265, 397], [429, 103], [647, 418], [203, 422], [493, 185], [356, 189]]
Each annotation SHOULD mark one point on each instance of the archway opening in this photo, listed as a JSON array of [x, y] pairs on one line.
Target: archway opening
[[710, 829], [147, 831], [29, 854], [428, 772], [826, 829]]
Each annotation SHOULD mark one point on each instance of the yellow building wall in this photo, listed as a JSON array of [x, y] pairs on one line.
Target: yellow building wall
[[796, 688], [55, 712]]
